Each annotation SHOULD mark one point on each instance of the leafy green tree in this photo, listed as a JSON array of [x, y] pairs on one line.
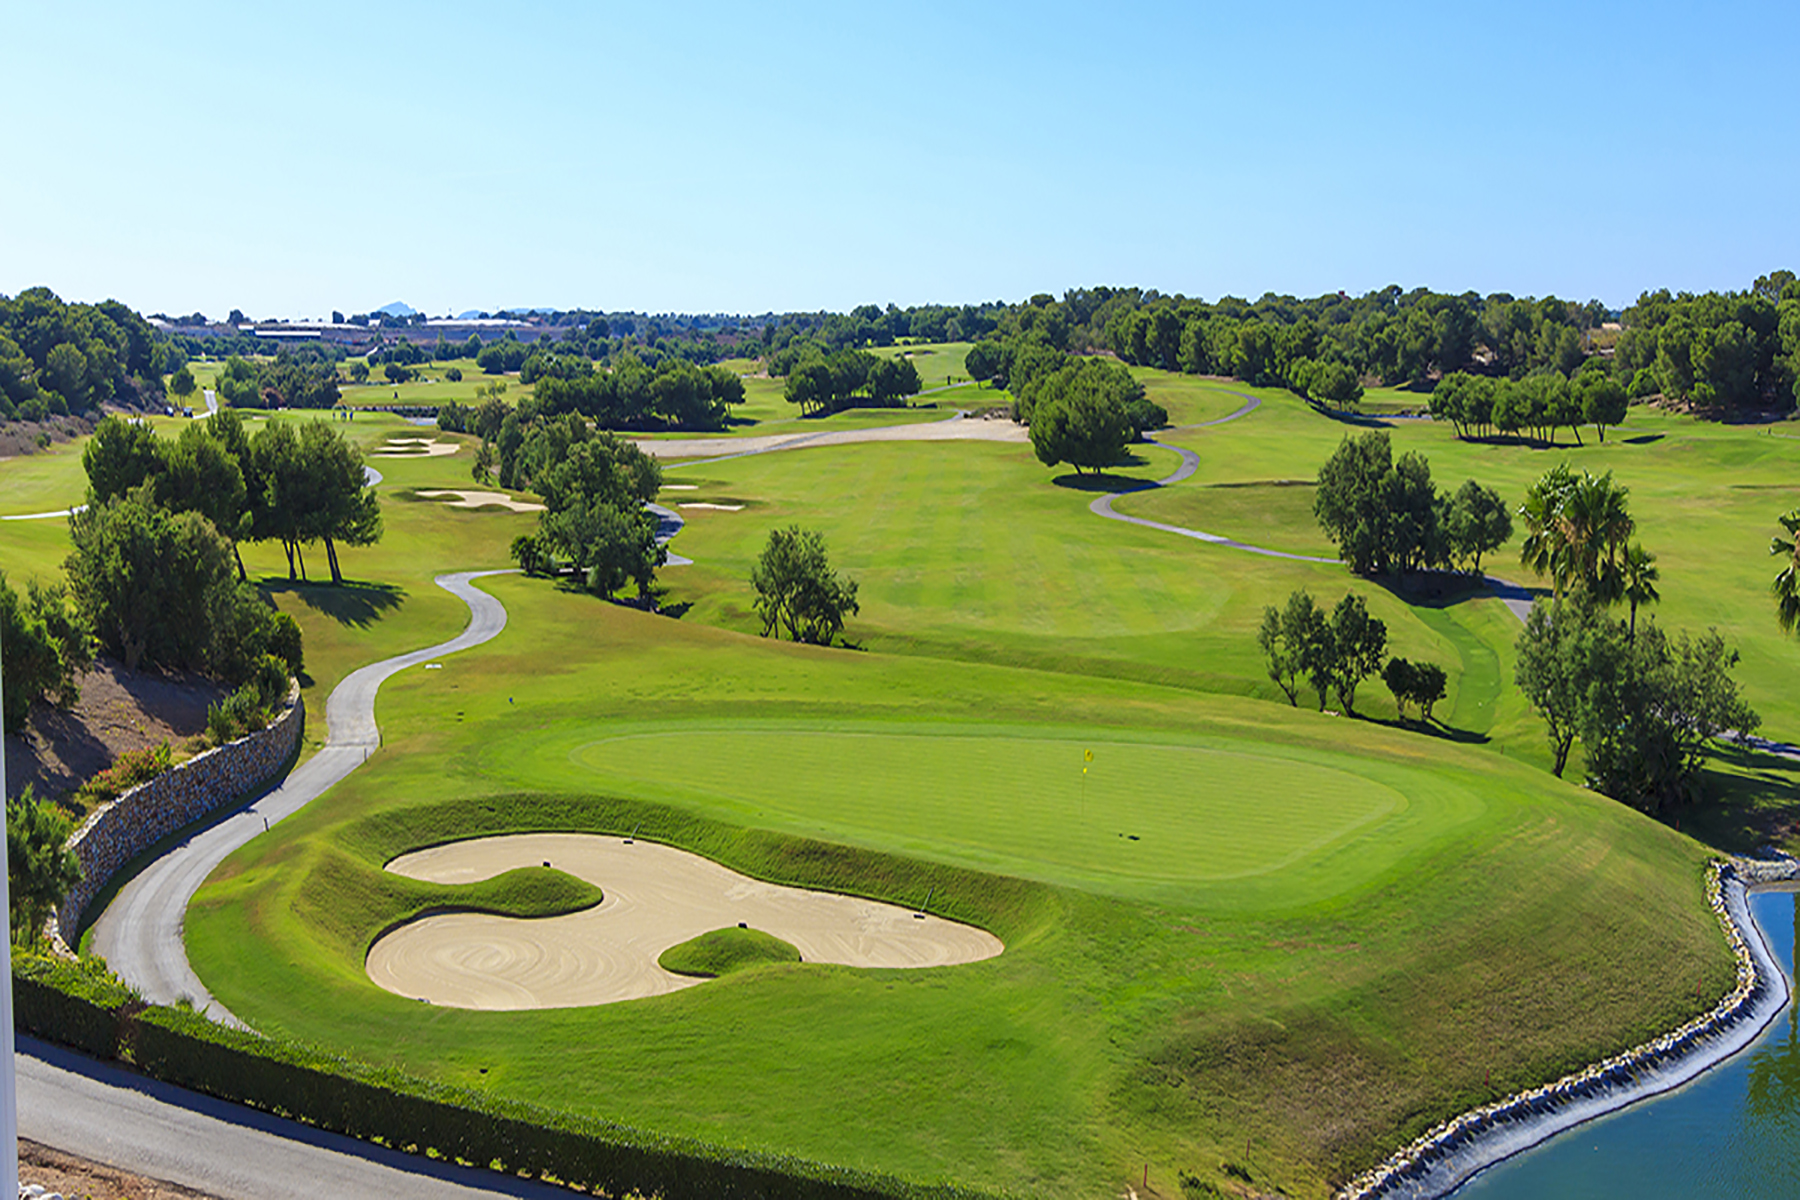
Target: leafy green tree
[[1786, 586], [1079, 414], [1289, 639], [610, 543], [340, 505], [397, 372], [119, 457], [359, 370], [796, 589], [1477, 522], [199, 475], [154, 585], [1420, 684], [1603, 401], [34, 661], [983, 361], [181, 382], [1551, 669], [1651, 708], [40, 868], [1358, 642]]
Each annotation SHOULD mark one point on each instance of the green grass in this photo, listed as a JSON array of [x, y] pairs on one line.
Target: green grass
[[727, 951], [1319, 922], [1327, 933]]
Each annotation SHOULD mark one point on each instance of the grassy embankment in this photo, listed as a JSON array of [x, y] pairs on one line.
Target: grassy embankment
[[1326, 934]]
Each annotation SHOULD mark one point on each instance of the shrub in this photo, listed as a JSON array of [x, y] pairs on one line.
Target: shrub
[[285, 643], [128, 770]]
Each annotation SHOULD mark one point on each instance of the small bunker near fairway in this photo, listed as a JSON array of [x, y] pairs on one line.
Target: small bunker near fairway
[[657, 897]]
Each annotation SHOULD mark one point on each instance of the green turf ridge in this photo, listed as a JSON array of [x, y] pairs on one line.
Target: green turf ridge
[[1498, 927], [726, 951], [1156, 1020]]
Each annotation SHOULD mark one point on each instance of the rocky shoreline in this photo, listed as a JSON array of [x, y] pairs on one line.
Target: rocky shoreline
[[1447, 1156]]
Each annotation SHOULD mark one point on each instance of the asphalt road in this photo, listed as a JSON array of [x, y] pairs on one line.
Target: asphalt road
[[139, 934], [105, 1113]]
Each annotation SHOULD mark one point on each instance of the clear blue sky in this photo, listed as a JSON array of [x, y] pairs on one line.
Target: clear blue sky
[[288, 160]]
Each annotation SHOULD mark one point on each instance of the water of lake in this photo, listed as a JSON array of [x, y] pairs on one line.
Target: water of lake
[[1733, 1132]]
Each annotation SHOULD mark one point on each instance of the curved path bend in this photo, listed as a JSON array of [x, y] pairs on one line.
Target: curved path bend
[[140, 933], [1190, 462]]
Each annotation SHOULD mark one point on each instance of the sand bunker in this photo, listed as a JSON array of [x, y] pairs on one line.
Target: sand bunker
[[415, 447], [656, 897], [710, 504], [460, 499]]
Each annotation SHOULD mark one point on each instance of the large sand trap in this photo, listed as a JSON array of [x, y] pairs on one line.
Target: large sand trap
[[415, 447], [461, 499], [953, 429], [656, 897]]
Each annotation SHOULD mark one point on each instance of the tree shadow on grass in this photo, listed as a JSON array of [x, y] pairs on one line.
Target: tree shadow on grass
[[1446, 589], [1644, 439], [1105, 481], [1754, 801], [358, 604], [1433, 728]]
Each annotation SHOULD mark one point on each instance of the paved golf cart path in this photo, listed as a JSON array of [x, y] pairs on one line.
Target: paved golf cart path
[[140, 933], [106, 1113]]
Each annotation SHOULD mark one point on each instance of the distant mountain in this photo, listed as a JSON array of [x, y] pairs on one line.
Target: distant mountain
[[397, 309]]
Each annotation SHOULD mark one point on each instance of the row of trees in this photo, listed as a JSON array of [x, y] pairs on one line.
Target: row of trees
[[304, 378], [822, 384], [1539, 404], [1717, 349], [1333, 652], [1399, 337], [1385, 515], [295, 484], [676, 395]]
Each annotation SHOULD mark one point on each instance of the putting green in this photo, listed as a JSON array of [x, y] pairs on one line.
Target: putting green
[[1146, 817]]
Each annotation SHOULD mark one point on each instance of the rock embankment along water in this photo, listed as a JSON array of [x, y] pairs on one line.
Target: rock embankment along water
[[116, 833], [1446, 1156]]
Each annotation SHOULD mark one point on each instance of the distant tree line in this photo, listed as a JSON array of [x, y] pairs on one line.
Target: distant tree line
[[58, 359], [302, 378], [825, 383]]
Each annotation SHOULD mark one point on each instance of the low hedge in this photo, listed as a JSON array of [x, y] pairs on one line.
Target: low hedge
[[80, 1005]]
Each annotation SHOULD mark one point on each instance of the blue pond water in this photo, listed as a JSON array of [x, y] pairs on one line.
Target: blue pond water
[[1733, 1132]]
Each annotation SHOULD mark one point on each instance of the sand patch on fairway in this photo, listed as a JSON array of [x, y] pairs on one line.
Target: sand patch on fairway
[[461, 499], [952, 429], [710, 504], [656, 897], [415, 447]]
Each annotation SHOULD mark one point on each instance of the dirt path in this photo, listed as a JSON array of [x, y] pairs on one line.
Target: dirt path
[[656, 897]]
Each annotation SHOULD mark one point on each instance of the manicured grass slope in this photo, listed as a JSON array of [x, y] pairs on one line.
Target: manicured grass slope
[[1325, 1005], [1328, 934]]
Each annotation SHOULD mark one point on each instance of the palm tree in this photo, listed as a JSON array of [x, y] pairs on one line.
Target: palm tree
[[1545, 550], [1638, 576], [1577, 527], [1787, 581]]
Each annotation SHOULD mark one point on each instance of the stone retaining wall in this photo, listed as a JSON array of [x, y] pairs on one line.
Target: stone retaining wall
[[1419, 1169], [116, 833]]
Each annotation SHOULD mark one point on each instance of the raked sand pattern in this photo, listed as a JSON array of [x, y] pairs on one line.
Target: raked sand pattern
[[656, 897]]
